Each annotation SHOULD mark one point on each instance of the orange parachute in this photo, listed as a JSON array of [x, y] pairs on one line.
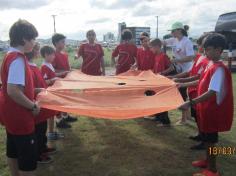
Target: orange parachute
[[129, 95]]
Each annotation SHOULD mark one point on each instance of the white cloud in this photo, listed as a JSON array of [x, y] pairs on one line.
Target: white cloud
[[74, 17]]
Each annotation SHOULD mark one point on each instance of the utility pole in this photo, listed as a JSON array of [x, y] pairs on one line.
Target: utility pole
[[157, 28], [54, 23]]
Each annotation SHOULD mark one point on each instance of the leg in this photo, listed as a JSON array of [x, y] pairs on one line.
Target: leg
[[11, 152], [164, 118], [211, 158], [51, 125], [13, 166], [27, 150]]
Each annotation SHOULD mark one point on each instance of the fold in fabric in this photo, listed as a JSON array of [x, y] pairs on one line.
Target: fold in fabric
[[129, 95]]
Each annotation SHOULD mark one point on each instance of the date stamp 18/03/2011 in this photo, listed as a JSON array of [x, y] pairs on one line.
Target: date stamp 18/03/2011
[[222, 150]]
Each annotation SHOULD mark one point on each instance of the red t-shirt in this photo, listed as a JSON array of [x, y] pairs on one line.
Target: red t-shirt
[[61, 61], [127, 53], [162, 62], [92, 58], [39, 82], [145, 59], [48, 71]]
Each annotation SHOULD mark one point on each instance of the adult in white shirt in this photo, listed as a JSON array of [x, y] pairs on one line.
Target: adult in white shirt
[[183, 56]]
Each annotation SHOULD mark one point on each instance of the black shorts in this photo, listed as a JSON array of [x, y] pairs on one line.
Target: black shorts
[[24, 149], [210, 137]]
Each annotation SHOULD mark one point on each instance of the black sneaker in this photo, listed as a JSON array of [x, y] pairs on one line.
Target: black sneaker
[[196, 138], [71, 119], [44, 159], [63, 124], [200, 146]]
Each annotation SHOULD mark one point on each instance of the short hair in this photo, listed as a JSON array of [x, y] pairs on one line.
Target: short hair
[[31, 55], [215, 40], [21, 30], [200, 40], [57, 37], [126, 34], [46, 50], [89, 32], [156, 42], [145, 34]]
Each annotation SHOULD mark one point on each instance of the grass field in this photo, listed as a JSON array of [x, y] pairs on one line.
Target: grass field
[[94, 147]]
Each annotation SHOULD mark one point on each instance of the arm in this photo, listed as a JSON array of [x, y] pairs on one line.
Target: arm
[[197, 100], [15, 92], [183, 60], [62, 73], [167, 71], [180, 75], [38, 90], [188, 84], [103, 66], [188, 79]]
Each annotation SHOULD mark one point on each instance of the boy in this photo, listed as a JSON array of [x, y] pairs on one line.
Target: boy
[[126, 51], [48, 73], [215, 95], [19, 108], [145, 57], [162, 65], [199, 65], [93, 56], [41, 119], [61, 64]]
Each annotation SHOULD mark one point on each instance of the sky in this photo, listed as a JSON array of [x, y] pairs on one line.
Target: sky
[[75, 17]]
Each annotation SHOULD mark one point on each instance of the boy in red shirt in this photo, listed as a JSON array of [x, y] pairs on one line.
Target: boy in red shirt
[[93, 56], [41, 119], [50, 76], [19, 108], [61, 64], [214, 102], [162, 65], [145, 57], [126, 52]]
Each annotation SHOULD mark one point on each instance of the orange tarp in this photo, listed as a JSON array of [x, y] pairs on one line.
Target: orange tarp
[[112, 97]]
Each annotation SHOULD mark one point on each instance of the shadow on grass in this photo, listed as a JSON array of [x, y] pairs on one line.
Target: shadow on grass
[[126, 148]]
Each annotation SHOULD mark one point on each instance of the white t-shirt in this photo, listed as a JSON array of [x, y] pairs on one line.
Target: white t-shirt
[[181, 49], [217, 84], [16, 74]]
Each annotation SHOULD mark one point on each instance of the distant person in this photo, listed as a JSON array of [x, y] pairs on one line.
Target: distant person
[[183, 55], [126, 52], [214, 101], [92, 55], [61, 64], [20, 107], [145, 57]]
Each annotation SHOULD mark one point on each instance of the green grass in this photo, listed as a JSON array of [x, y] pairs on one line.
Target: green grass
[[136, 147], [74, 63]]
